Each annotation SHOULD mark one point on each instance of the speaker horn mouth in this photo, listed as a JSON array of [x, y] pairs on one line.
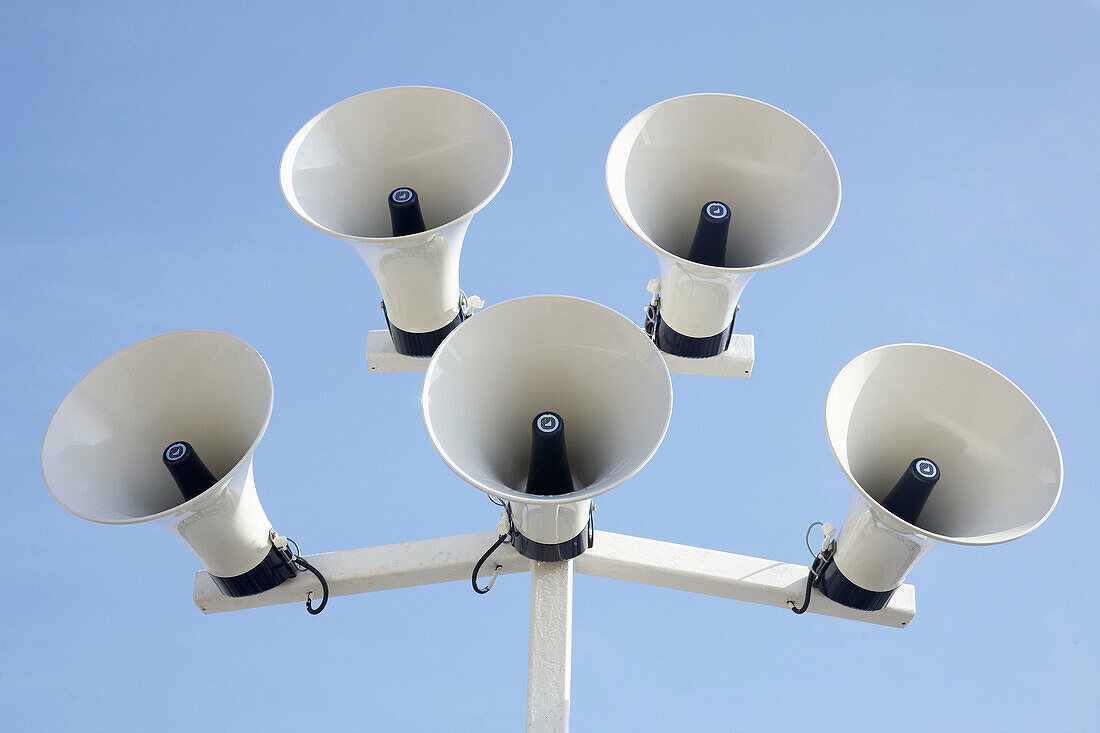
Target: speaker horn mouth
[[339, 168], [779, 179], [579, 359], [99, 459], [1000, 460]]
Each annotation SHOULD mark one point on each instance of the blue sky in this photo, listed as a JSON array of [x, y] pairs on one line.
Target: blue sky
[[139, 190]]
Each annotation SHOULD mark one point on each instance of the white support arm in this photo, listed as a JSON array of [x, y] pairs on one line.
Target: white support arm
[[616, 556], [736, 361], [723, 574], [375, 568], [383, 358]]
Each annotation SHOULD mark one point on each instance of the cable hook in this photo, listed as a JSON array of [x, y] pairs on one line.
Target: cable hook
[[496, 570], [303, 565], [810, 578], [296, 559]]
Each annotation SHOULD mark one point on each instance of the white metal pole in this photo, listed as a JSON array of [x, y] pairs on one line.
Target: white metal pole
[[550, 652]]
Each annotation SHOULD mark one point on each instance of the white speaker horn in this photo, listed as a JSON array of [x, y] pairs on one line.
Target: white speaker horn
[[103, 457], [770, 180], [580, 360], [441, 151], [999, 466]]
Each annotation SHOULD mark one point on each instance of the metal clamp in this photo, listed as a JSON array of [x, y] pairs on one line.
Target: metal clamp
[[653, 314], [591, 525], [467, 305], [653, 309], [282, 546]]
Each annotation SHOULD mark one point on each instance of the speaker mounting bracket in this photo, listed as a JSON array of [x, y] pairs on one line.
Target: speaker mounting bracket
[[614, 556], [736, 361]]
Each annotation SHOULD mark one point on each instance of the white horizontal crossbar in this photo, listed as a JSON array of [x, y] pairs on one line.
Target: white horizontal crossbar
[[616, 556], [382, 357], [375, 568], [736, 361], [726, 575]]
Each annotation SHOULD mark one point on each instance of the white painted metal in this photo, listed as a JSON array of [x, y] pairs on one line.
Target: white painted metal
[[1001, 469], [777, 177], [349, 572], [714, 573], [550, 651], [616, 556], [551, 523], [383, 358], [736, 361], [339, 169], [102, 454], [591, 365]]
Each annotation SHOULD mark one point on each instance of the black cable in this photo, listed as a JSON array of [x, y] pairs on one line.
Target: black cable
[[818, 567], [821, 559], [490, 551], [303, 565], [809, 587]]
